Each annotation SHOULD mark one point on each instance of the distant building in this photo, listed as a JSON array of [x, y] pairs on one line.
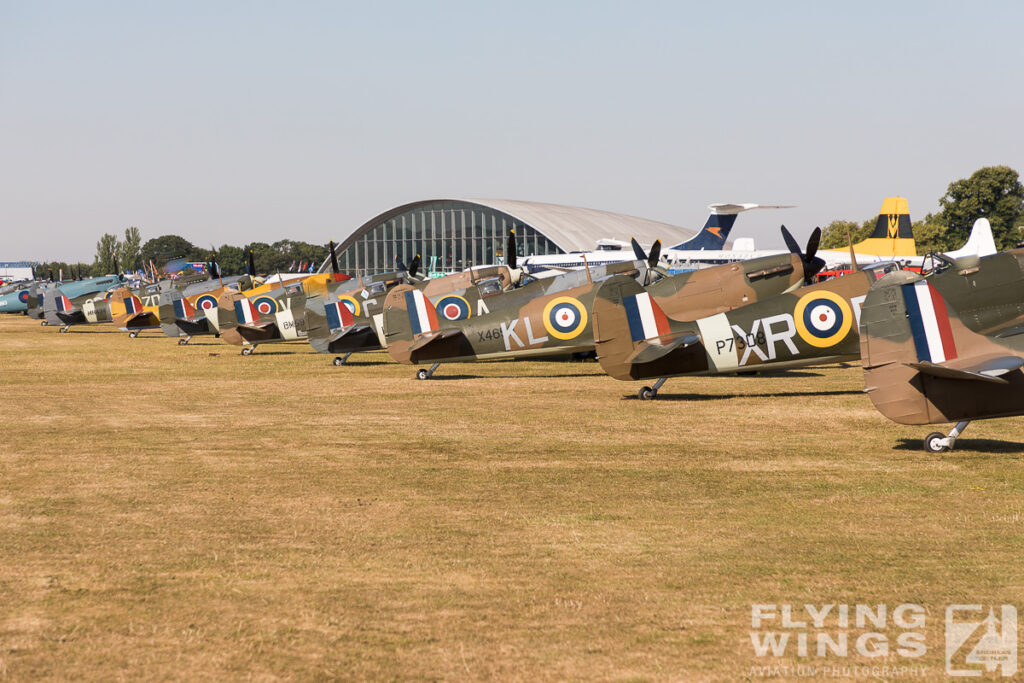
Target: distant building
[[453, 234], [16, 270]]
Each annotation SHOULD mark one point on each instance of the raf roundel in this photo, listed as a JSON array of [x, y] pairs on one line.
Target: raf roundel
[[565, 318], [822, 319], [453, 307], [206, 302], [265, 305], [23, 296], [351, 303]]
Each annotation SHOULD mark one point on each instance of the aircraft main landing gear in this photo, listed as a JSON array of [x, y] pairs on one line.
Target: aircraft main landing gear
[[339, 361], [133, 334], [247, 350], [650, 393], [936, 442], [427, 374]]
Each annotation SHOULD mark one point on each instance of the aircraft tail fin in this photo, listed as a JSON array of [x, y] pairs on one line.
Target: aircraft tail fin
[[893, 235], [713, 235], [980, 242]]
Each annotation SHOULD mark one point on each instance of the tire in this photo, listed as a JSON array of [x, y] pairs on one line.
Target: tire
[[182, 342], [646, 394], [422, 374], [133, 334], [932, 445], [338, 361], [247, 351]]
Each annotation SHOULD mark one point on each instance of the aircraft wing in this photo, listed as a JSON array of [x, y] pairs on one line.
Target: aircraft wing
[[651, 350], [980, 370]]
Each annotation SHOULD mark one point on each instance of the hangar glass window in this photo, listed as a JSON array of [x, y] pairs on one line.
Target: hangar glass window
[[449, 237]]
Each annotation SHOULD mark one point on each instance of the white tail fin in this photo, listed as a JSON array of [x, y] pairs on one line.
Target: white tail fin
[[980, 243]]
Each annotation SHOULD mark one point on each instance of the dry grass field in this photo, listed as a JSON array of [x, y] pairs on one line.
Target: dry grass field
[[186, 512]]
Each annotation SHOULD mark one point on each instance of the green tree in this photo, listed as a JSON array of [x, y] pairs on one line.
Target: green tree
[[106, 254], [264, 258], [129, 254], [834, 236], [992, 192], [162, 249], [231, 259]]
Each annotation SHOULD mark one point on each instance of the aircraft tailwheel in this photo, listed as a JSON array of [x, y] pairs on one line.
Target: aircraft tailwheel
[[247, 351], [44, 323], [422, 374], [646, 394], [182, 342], [338, 361], [133, 334], [936, 442]]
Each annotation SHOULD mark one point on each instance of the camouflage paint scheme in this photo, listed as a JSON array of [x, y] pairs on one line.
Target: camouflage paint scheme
[[947, 347], [525, 322], [771, 332], [498, 324], [363, 299], [44, 306], [194, 301], [813, 324]]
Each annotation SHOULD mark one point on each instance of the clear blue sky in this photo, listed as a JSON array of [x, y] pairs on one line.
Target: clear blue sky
[[227, 122]]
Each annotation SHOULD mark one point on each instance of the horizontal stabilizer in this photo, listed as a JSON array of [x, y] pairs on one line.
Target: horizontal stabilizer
[[258, 332], [987, 371], [650, 351], [351, 331], [139, 320], [436, 338]]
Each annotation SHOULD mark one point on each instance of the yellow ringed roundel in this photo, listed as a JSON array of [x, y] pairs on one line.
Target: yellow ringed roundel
[[350, 302], [453, 307], [822, 318], [265, 305], [564, 317]]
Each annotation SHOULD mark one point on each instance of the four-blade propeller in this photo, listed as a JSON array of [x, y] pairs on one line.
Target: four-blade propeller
[[812, 264]]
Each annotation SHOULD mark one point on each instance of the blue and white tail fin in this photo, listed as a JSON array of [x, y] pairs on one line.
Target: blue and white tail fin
[[715, 232]]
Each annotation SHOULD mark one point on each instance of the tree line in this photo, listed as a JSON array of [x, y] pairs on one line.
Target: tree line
[[992, 192], [130, 254]]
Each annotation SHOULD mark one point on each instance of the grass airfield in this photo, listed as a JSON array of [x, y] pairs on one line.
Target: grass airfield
[[186, 512]]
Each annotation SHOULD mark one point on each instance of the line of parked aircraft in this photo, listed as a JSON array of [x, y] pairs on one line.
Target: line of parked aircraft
[[939, 337]]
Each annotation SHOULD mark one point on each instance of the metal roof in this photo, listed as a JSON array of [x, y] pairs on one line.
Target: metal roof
[[573, 228]]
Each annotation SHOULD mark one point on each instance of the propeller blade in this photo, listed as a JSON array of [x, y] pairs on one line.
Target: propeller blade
[[334, 259], [812, 244], [414, 266], [400, 264], [638, 251], [116, 270], [791, 244], [511, 253], [655, 256], [252, 264], [51, 275]]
